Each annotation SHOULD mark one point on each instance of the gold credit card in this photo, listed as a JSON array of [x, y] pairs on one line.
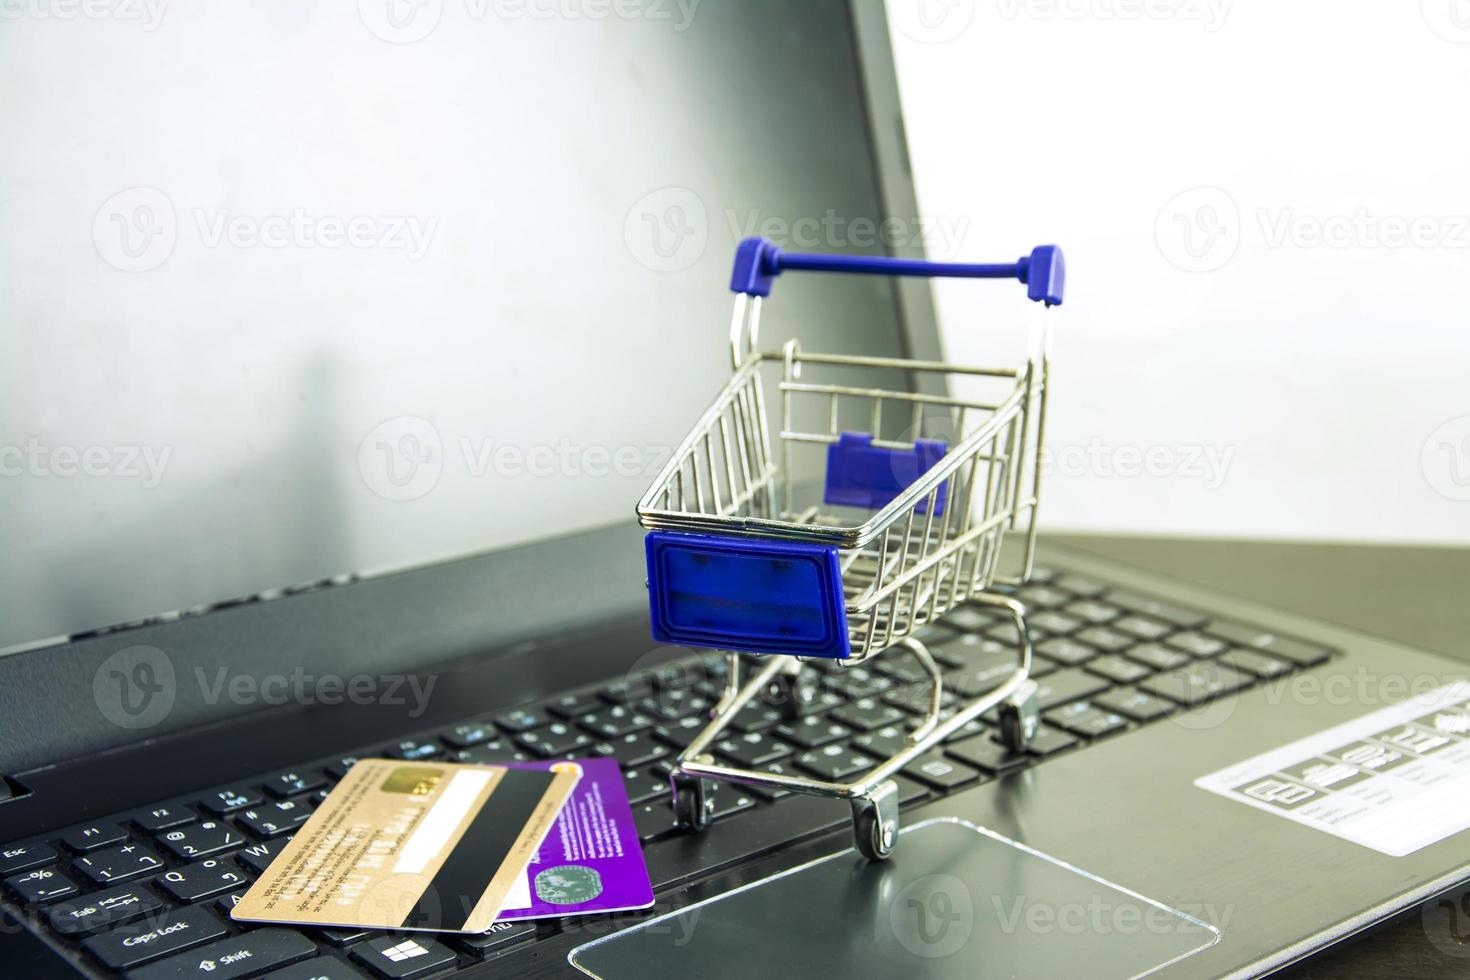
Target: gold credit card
[[412, 845]]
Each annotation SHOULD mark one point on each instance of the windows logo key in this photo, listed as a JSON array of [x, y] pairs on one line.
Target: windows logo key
[[405, 950]]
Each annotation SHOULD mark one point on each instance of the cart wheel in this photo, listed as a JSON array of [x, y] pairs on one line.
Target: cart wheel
[[875, 822], [691, 803], [794, 691], [1020, 714]]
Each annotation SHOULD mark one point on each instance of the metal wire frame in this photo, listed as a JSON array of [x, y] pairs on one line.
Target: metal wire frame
[[937, 544]]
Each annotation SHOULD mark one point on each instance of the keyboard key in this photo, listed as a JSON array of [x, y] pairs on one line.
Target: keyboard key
[[771, 792], [1157, 656], [968, 619], [1143, 627], [813, 732], [644, 784], [163, 817], [114, 864], [414, 750], [754, 750], [225, 904], [866, 715], [555, 739], [1254, 662], [884, 742], [340, 768], [274, 819], [835, 763], [1079, 584], [343, 935], [1196, 644], [202, 879], [756, 717], [93, 836], [1299, 652], [470, 734], [986, 754], [39, 886], [1046, 741], [678, 734], [1082, 718], [1133, 602], [1052, 622], [570, 707], [1071, 684], [520, 720], [1195, 683], [1107, 638], [23, 857], [254, 952], [227, 801], [1042, 596], [1118, 670], [1066, 651], [490, 753], [943, 774], [403, 956], [673, 705], [101, 909], [1137, 705], [317, 968], [729, 799], [633, 750], [1093, 612], [294, 782], [856, 683], [201, 840], [128, 946], [615, 722], [653, 820], [502, 935], [257, 857]]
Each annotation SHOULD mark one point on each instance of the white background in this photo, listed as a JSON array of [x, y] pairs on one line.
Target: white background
[[1249, 379]]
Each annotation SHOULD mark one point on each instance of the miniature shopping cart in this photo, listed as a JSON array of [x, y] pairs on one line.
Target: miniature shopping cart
[[880, 501]]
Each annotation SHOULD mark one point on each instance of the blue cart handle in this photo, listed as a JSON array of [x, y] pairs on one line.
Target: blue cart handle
[[758, 261]]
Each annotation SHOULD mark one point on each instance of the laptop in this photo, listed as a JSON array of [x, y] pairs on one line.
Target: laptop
[[326, 527]]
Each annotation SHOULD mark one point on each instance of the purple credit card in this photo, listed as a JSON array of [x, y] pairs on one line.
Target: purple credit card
[[591, 860]]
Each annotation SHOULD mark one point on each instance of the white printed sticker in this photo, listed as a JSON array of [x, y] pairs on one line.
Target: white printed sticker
[[1395, 780]]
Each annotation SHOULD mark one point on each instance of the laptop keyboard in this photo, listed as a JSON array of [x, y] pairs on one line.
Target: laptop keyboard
[[148, 893]]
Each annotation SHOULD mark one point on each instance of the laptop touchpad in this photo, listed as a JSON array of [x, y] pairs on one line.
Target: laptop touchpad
[[954, 901]]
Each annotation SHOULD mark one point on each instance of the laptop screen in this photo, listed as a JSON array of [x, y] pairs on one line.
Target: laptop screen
[[315, 290]]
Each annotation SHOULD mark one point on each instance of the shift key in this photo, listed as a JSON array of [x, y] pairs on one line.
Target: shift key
[[238, 956]]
